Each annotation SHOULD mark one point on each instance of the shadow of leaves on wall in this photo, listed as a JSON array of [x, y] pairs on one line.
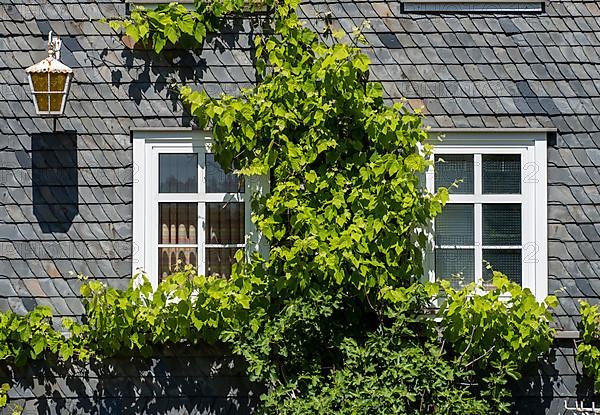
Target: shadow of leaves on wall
[[179, 380]]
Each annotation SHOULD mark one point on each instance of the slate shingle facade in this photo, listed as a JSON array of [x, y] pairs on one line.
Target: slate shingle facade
[[66, 190]]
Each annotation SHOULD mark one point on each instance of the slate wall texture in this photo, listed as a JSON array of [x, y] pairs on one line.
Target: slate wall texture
[[66, 192], [183, 380]]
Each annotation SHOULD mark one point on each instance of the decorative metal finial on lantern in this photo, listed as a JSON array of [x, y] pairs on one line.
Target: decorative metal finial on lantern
[[50, 81]]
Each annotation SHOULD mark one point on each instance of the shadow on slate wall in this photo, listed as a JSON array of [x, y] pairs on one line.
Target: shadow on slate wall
[[534, 394], [162, 74], [54, 180], [180, 380], [555, 379]]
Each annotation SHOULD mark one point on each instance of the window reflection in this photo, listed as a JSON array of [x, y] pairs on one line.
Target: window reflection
[[217, 181], [178, 222], [170, 260], [501, 173], [178, 173], [220, 260], [225, 223]]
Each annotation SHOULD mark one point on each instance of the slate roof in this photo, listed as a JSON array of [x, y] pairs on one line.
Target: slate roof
[[65, 198]]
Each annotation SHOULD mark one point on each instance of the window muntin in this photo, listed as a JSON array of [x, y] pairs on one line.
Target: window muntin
[[464, 231], [509, 179], [196, 180], [186, 208]]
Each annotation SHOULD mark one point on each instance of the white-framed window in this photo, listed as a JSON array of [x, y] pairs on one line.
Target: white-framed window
[[186, 209], [496, 216], [472, 6]]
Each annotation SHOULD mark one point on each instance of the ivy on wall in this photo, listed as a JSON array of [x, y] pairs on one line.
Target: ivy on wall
[[334, 321]]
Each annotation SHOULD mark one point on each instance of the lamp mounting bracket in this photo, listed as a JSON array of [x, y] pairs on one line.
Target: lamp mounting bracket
[[54, 44]]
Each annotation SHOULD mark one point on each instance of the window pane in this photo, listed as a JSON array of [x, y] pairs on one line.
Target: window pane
[[217, 181], [454, 167], [506, 261], [225, 223], [501, 173], [219, 260], [454, 226], [455, 265], [502, 224], [178, 173], [170, 259], [177, 223]]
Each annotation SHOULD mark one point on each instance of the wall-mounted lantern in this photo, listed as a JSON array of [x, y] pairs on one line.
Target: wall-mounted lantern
[[50, 80]]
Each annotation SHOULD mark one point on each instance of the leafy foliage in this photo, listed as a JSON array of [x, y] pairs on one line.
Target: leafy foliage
[[318, 360], [495, 333], [16, 409], [588, 350], [506, 325], [386, 374], [184, 307], [175, 24], [28, 337], [318, 353], [345, 166], [24, 338], [334, 320], [344, 219]]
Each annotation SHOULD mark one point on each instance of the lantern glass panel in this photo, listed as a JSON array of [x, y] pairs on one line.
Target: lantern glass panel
[[42, 102], [56, 102], [58, 82], [39, 81]]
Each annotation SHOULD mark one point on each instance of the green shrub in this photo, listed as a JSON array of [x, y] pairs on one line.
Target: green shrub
[[588, 350], [506, 325]]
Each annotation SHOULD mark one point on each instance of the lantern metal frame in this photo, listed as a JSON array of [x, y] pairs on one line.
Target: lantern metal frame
[[49, 66]]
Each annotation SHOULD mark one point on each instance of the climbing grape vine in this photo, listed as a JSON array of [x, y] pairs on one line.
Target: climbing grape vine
[[337, 319], [588, 349]]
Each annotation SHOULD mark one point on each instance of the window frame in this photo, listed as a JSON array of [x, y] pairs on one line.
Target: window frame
[[147, 146], [473, 6], [534, 217]]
